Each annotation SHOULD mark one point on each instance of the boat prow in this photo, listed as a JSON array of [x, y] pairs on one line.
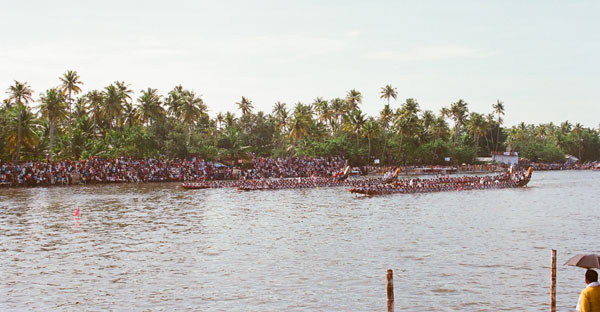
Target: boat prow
[[526, 178]]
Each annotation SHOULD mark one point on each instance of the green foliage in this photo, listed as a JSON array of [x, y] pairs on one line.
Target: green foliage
[[110, 123]]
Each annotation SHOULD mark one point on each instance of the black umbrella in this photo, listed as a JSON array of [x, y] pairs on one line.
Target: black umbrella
[[585, 261]]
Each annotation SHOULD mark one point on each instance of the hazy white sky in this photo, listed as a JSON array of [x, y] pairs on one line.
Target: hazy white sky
[[539, 57]]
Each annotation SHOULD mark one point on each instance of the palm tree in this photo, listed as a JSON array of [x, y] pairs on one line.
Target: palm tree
[[7, 103], [370, 129], [300, 123], [322, 108], [353, 98], [565, 127], [80, 107], [354, 122], [70, 84], [173, 101], [95, 101], [388, 92], [220, 119], [280, 113], [129, 116], [245, 105], [578, 129], [490, 120], [407, 120], [230, 120], [125, 95], [458, 112], [21, 94], [26, 125], [113, 105], [499, 110], [440, 127], [385, 116], [428, 119], [54, 109], [477, 126], [337, 107], [150, 106], [191, 110]]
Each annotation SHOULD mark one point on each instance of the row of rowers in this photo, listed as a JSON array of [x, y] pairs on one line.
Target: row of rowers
[[297, 183], [440, 184]]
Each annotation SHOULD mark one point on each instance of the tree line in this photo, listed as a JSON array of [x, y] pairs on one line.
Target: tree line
[[64, 123]]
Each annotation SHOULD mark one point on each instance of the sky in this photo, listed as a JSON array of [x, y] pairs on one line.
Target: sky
[[541, 58]]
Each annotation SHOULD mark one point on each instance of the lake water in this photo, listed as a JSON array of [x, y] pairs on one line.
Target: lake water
[[157, 247]]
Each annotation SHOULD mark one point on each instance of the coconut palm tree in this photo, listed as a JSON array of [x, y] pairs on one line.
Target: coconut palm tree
[[173, 101], [353, 98], [70, 84], [230, 120], [385, 117], [220, 119], [53, 109], [322, 108], [353, 122], [129, 116], [191, 110], [80, 107], [245, 105], [113, 105], [150, 107], [578, 130], [440, 128], [407, 120], [565, 127], [370, 129], [24, 122], [388, 92], [428, 121], [20, 94], [281, 113], [459, 113], [300, 123], [95, 100], [499, 110], [491, 122], [338, 108], [477, 126]]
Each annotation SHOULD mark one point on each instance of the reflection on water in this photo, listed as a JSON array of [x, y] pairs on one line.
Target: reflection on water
[[156, 247]]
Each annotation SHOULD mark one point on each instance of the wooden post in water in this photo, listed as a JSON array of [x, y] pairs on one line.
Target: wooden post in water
[[553, 287], [390, 290]]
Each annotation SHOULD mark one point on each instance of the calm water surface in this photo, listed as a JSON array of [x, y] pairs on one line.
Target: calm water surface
[[156, 247]]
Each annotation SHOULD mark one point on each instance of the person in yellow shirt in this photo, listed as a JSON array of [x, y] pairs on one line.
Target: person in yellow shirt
[[589, 299]]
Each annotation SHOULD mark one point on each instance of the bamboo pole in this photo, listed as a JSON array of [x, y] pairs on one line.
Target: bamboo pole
[[390, 290], [553, 287]]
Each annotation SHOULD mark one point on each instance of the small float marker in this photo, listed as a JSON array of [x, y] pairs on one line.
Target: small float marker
[[77, 212]]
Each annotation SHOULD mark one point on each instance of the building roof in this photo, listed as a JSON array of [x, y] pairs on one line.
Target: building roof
[[505, 153]]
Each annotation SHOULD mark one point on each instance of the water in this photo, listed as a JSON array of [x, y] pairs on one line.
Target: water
[[156, 247]]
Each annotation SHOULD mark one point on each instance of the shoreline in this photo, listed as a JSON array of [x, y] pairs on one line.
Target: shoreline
[[179, 182]]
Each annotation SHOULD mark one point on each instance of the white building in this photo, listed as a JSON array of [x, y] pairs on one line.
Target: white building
[[509, 158]]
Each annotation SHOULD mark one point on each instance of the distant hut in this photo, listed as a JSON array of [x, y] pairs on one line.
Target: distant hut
[[571, 160], [508, 158]]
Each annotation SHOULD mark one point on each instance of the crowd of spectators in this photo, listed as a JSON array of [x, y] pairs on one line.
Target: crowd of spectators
[[125, 169], [592, 165], [293, 167]]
